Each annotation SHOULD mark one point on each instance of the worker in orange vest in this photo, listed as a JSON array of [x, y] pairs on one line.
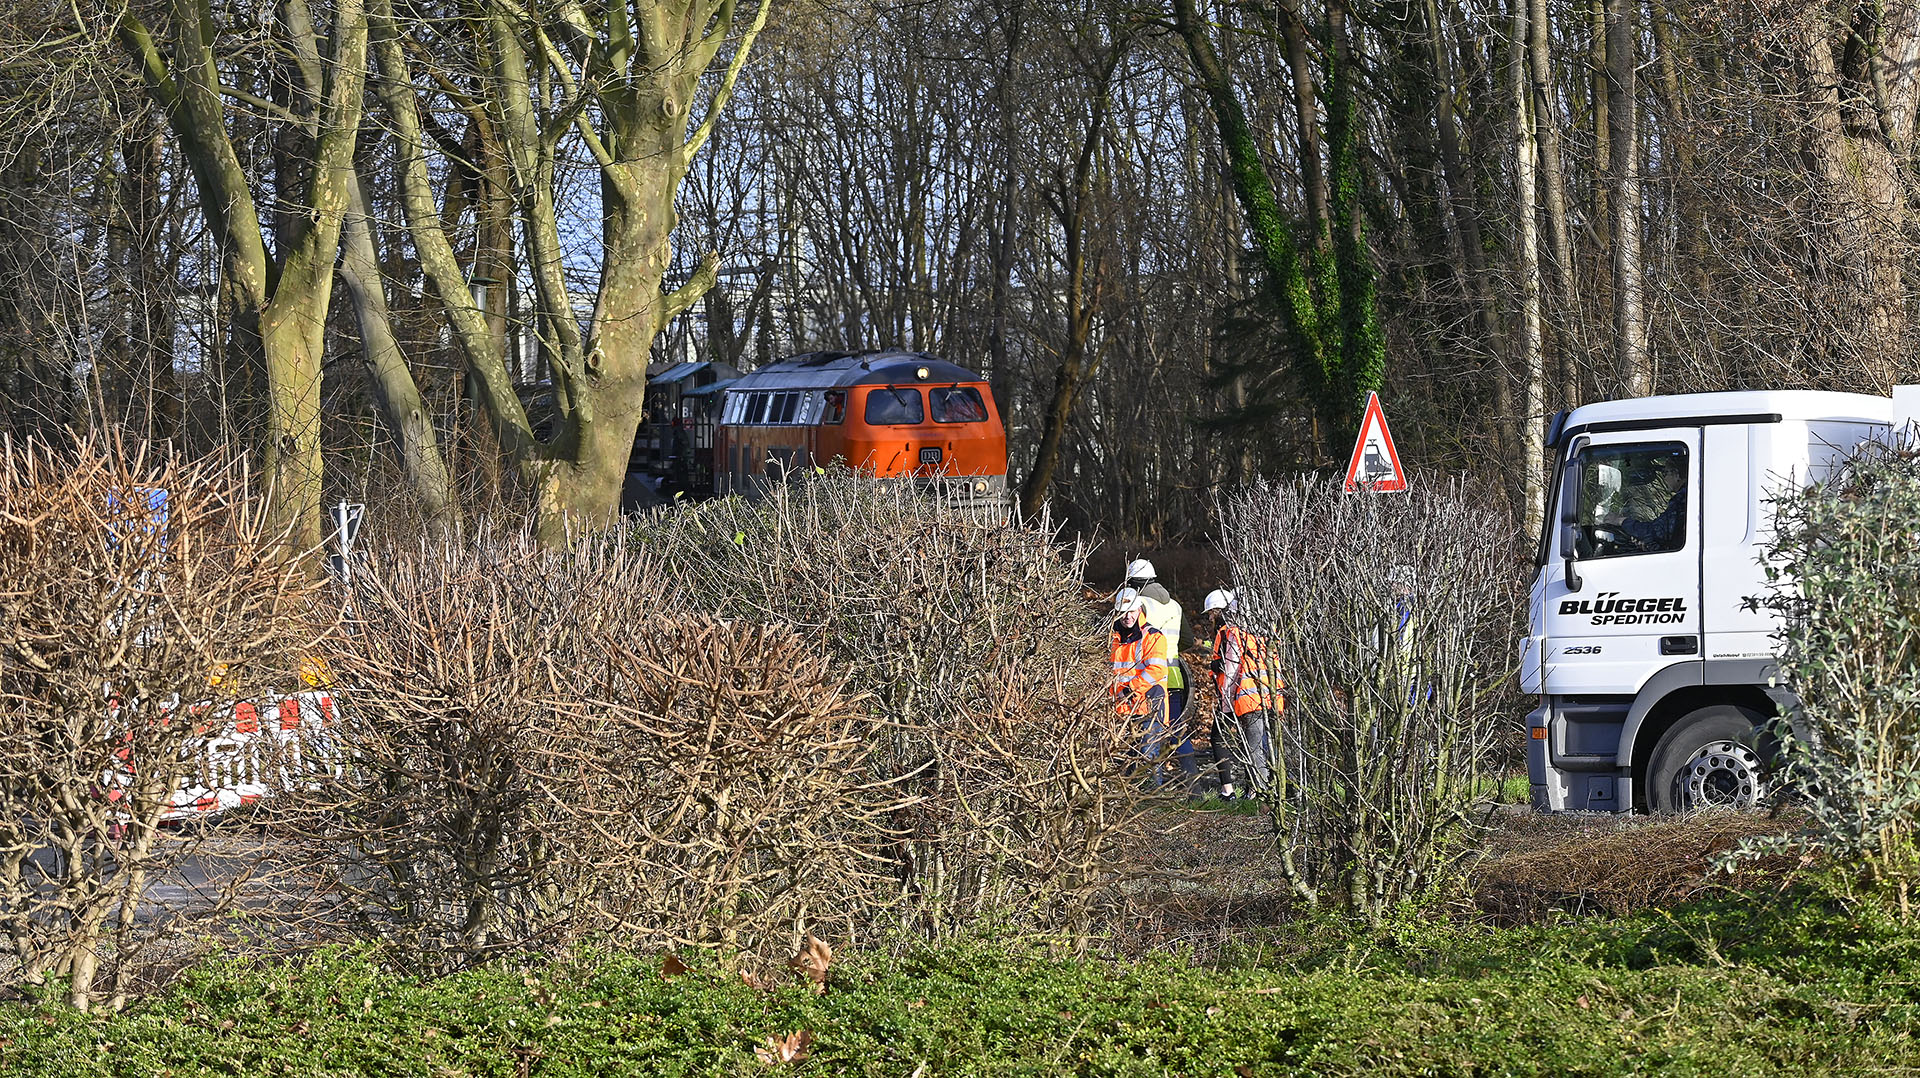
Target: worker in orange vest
[[1250, 699], [1141, 655]]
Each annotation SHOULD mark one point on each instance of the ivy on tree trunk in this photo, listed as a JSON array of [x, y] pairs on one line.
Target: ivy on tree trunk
[[1326, 300]]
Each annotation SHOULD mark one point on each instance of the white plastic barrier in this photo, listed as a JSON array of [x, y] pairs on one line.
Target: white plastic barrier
[[259, 750]]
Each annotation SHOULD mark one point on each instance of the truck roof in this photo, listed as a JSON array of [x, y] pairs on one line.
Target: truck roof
[[1801, 404]]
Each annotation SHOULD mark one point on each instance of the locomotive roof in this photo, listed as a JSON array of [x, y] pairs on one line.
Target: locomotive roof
[[692, 368], [815, 370]]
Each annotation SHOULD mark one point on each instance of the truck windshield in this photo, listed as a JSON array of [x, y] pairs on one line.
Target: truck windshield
[[1632, 500], [1552, 512]]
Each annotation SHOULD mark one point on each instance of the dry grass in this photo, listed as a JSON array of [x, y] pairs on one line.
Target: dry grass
[[1211, 880], [1540, 867]]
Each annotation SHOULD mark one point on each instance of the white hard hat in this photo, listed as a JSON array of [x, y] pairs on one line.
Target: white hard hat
[[1217, 599], [1127, 599], [1140, 569]]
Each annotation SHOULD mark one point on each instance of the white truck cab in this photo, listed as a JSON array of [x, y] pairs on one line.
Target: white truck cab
[[1653, 664]]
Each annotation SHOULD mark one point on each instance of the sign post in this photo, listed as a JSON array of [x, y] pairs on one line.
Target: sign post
[[346, 528], [1375, 465]]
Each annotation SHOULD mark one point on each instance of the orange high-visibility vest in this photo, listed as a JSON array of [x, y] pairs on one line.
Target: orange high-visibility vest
[[1139, 666], [1256, 685]]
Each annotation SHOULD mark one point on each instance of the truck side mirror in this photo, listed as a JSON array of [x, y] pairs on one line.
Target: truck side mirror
[[1569, 540]]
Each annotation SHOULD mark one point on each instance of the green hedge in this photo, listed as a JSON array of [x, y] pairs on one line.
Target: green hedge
[[1714, 990]]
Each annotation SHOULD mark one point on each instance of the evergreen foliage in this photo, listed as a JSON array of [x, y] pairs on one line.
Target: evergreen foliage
[[1845, 568], [1740, 986], [1326, 301]]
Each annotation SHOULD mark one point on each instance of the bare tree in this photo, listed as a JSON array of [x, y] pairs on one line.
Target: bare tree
[[281, 276], [1396, 652], [617, 90], [1070, 197], [142, 591]]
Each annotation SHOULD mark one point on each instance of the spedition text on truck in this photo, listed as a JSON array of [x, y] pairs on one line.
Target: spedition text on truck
[[1652, 660], [1671, 610]]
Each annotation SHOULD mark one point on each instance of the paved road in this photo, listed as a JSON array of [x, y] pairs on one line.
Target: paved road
[[202, 884]]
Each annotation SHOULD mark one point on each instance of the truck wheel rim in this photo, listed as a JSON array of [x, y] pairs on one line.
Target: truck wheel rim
[[1721, 773]]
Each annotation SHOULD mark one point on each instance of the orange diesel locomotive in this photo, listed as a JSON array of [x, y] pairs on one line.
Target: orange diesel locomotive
[[888, 413]]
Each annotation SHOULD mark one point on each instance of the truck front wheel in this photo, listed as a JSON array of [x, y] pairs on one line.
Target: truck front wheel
[[1708, 758]]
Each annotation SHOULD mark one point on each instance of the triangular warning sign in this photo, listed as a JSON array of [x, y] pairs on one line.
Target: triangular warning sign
[[1376, 464]]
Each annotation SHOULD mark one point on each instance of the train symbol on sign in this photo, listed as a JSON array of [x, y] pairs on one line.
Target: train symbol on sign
[[1374, 466]]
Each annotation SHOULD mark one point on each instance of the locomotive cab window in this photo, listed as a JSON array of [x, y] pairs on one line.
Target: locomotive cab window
[[957, 404], [836, 407], [894, 406]]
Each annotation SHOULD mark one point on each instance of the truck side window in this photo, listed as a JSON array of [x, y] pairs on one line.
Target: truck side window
[[1632, 500]]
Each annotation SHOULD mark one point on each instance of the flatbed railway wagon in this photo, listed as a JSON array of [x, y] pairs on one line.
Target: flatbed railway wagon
[[888, 413]]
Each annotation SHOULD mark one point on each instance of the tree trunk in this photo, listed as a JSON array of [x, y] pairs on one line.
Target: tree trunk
[[438, 263], [151, 314], [581, 486], [1858, 174], [1046, 456], [1461, 203], [289, 308], [1532, 360], [1306, 115], [1004, 252], [1070, 204], [1632, 368], [395, 390], [1272, 234], [1546, 126], [1598, 75]]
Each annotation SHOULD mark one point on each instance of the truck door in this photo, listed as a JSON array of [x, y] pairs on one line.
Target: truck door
[[1629, 511]]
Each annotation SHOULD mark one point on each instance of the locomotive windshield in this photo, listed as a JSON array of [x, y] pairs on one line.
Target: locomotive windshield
[[893, 406], [957, 404]]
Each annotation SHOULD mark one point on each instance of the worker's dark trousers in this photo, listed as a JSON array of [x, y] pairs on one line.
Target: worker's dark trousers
[[1180, 731], [1157, 734], [1242, 745]]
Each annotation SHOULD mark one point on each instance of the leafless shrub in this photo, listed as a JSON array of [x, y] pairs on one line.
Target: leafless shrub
[[987, 671], [842, 709], [138, 593], [549, 748], [457, 652], [721, 796], [1391, 618]]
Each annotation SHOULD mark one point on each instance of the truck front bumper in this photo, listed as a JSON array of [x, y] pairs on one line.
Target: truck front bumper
[[1585, 784]]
